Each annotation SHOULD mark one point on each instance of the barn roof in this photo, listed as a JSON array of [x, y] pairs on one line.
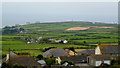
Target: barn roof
[[109, 49], [76, 58], [25, 60], [55, 52], [87, 51], [100, 57]]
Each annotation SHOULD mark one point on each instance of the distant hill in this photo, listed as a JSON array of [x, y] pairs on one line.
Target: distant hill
[[104, 32], [55, 26]]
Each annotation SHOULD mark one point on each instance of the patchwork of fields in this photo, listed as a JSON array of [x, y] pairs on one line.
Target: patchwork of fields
[[57, 31]]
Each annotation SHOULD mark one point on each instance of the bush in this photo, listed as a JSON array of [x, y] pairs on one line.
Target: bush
[[39, 57], [18, 65], [49, 61], [4, 65], [3, 55], [23, 53]]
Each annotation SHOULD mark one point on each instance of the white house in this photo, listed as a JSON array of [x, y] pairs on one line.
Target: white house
[[97, 60], [65, 41]]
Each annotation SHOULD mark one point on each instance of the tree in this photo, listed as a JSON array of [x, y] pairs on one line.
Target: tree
[[50, 61], [72, 49], [84, 42], [39, 57], [99, 42]]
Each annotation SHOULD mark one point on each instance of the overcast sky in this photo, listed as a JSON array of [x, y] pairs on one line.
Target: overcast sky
[[60, 0], [22, 12]]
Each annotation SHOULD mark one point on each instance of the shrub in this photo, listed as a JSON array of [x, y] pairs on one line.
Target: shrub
[[39, 57], [50, 61]]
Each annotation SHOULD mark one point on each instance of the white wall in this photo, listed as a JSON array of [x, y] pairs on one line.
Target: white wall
[[107, 61], [98, 63], [97, 50], [58, 60]]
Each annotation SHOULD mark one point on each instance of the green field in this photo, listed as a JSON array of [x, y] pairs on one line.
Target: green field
[[56, 30]]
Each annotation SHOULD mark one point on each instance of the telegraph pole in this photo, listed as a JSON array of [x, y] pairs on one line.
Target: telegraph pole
[[9, 55]]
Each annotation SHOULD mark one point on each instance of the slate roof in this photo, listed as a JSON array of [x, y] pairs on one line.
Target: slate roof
[[25, 60], [12, 54], [100, 57], [55, 52], [109, 49], [76, 59], [92, 51]]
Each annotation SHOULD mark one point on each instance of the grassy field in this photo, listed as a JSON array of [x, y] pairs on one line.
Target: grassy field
[[38, 46], [57, 31]]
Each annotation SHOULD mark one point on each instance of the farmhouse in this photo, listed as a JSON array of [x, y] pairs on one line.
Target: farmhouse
[[55, 52], [107, 49], [97, 60]]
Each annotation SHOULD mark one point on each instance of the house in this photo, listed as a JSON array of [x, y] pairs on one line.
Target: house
[[39, 38], [55, 52], [86, 52], [70, 52], [58, 41], [10, 54], [107, 49], [97, 60], [24, 60], [52, 40], [78, 60], [64, 41], [28, 42]]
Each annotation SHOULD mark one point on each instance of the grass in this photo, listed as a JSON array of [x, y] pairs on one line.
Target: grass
[[11, 42], [38, 46], [31, 52]]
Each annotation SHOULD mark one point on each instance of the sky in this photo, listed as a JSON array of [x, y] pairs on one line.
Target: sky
[[22, 12], [60, 0]]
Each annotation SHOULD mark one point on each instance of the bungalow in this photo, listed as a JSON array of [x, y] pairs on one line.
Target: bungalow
[[55, 52], [97, 60]]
